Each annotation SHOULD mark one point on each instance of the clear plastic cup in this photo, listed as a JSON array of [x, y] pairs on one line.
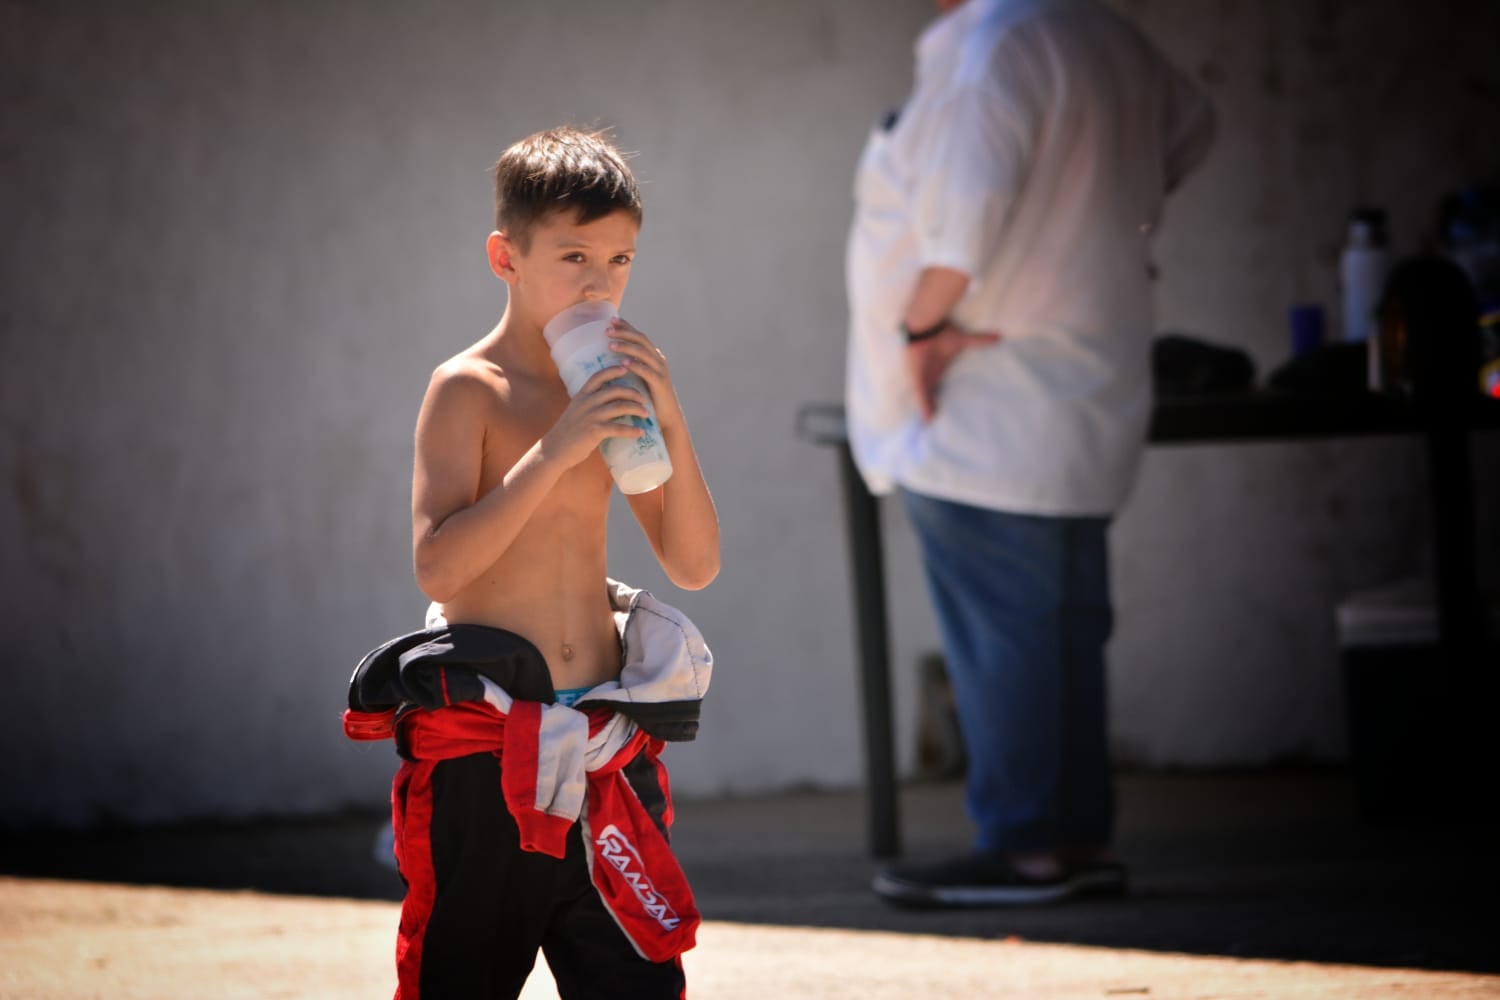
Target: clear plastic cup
[[579, 340]]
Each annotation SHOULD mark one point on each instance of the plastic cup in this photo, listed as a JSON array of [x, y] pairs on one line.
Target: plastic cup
[[579, 340]]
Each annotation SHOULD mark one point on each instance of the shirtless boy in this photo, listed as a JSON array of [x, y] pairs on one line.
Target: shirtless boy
[[509, 507]]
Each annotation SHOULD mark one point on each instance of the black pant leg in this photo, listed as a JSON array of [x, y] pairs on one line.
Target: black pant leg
[[589, 955], [493, 900]]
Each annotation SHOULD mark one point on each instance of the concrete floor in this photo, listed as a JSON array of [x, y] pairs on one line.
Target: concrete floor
[[1236, 877]]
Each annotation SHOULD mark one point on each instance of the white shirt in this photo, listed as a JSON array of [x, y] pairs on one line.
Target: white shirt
[[1034, 155]]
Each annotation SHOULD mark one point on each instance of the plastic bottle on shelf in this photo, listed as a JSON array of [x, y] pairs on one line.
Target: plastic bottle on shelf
[[1363, 268]]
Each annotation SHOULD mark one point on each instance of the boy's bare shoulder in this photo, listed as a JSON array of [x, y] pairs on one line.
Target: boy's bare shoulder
[[468, 376], [469, 367], [467, 395]]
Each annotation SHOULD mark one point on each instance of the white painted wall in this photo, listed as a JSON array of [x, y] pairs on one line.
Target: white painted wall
[[238, 237]]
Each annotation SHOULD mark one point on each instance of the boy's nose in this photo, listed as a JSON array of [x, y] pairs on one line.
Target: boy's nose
[[596, 287]]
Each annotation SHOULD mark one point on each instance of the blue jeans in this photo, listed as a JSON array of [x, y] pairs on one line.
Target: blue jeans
[[1023, 608]]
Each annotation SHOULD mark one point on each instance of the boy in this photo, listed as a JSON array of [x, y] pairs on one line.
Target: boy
[[509, 506]]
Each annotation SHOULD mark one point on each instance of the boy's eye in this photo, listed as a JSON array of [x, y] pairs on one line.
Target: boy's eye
[[575, 257], [623, 258]]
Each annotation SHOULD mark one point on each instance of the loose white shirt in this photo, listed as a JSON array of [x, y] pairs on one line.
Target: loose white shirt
[[1033, 155]]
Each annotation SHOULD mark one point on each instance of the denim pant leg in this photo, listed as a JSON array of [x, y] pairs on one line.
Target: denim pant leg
[[1029, 692], [1088, 796]]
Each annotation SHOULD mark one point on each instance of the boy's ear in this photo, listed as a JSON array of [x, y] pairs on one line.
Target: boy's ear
[[501, 252]]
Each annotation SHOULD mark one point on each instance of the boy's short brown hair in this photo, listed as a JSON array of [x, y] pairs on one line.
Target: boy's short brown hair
[[558, 170]]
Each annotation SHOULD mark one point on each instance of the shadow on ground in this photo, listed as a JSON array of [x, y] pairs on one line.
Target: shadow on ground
[[1262, 865]]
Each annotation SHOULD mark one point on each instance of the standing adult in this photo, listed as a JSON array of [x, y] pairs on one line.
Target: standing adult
[[999, 378]]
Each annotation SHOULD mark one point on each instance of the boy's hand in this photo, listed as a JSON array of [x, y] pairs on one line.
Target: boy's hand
[[591, 417], [646, 360]]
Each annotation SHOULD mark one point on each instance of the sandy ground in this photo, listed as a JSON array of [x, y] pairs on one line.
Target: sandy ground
[[78, 941]]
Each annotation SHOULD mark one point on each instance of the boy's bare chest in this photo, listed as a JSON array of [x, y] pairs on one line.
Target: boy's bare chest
[[526, 412], [520, 419]]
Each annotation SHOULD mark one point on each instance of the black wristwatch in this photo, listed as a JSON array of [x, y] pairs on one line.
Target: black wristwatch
[[912, 336]]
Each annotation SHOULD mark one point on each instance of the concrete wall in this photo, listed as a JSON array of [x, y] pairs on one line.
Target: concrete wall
[[237, 238]]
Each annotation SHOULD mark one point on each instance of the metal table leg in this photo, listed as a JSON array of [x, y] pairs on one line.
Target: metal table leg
[[867, 565]]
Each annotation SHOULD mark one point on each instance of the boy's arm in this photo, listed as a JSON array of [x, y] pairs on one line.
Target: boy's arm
[[458, 534], [678, 517]]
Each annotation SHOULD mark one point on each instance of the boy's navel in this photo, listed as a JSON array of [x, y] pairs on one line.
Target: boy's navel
[[567, 651]]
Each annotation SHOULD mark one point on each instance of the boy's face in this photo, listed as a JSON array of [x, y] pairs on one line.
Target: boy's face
[[567, 263]]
